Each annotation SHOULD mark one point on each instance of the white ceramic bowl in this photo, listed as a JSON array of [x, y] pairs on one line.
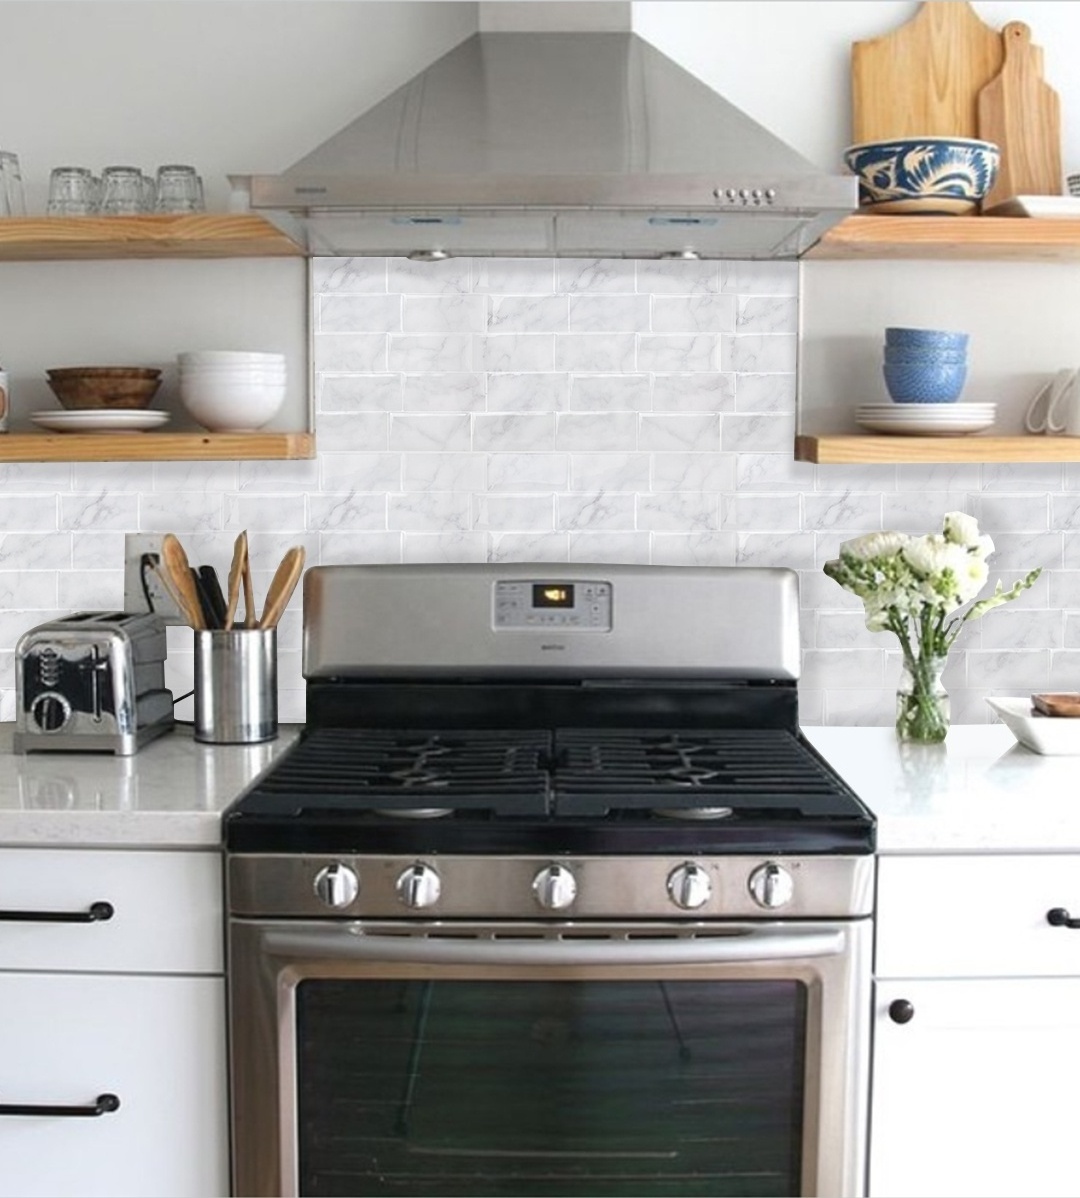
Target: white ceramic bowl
[[1053, 736], [231, 407], [237, 373], [229, 357]]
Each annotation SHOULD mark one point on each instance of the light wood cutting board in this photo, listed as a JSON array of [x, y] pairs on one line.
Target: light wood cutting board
[[924, 78], [1021, 113]]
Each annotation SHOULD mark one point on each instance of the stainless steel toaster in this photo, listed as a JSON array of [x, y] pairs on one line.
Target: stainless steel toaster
[[92, 682]]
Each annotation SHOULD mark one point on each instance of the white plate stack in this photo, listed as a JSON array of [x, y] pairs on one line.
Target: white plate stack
[[925, 419], [235, 391]]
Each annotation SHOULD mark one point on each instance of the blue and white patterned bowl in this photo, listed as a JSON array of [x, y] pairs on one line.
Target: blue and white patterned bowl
[[924, 175], [905, 338], [924, 382]]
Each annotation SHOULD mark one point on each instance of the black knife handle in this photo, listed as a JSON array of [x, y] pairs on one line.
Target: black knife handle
[[104, 1104], [204, 599], [95, 913], [212, 590]]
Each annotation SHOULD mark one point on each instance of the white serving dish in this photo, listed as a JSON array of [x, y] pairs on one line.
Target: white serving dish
[[1053, 736], [93, 420], [925, 425], [1041, 207]]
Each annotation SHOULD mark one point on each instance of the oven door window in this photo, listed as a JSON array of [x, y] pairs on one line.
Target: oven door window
[[596, 1088]]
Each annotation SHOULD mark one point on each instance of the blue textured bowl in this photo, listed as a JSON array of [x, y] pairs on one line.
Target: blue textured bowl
[[925, 339], [921, 382], [927, 175], [932, 357]]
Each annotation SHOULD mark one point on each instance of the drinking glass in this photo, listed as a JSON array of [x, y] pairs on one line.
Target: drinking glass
[[72, 192], [14, 203], [179, 189], [122, 191]]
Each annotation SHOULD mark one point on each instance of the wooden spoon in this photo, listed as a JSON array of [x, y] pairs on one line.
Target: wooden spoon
[[179, 570], [236, 572], [282, 586], [249, 591]]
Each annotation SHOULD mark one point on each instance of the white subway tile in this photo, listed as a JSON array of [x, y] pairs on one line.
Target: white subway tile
[[443, 472], [758, 354], [693, 549], [355, 431], [597, 512], [608, 314], [610, 393], [767, 314], [764, 392], [350, 353], [527, 314], [760, 432], [1016, 513], [528, 547], [34, 588], [692, 471], [91, 590], [547, 392], [96, 550], [444, 314], [344, 548], [184, 512], [33, 513], [678, 351], [461, 392], [518, 352], [519, 513], [439, 432], [584, 433], [629, 547], [514, 276], [1026, 670], [1007, 628], [527, 471], [842, 511], [356, 511], [693, 314], [358, 392], [604, 352], [441, 352], [99, 511], [760, 278], [265, 513], [609, 276], [359, 313], [274, 477], [444, 547], [772, 472], [679, 511], [194, 476], [609, 472], [698, 391], [428, 511], [760, 513], [343, 275], [794, 550], [678, 278], [514, 433], [360, 472], [680, 433], [450, 277]]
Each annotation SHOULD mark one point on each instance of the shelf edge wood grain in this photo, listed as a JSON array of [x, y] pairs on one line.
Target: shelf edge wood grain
[[201, 235], [851, 448], [154, 447], [981, 238]]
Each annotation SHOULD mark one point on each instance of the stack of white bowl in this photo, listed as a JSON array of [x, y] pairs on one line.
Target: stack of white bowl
[[235, 391]]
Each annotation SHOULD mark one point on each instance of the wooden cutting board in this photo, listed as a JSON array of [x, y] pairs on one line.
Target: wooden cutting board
[[924, 78], [1021, 113]]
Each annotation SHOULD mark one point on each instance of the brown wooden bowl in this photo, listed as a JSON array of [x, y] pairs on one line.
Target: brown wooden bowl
[[104, 387]]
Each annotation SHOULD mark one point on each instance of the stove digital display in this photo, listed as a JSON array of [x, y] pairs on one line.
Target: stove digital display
[[546, 594]]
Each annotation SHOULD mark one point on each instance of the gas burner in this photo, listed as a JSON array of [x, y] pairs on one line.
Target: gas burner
[[702, 813], [412, 812], [416, 775], [688, 775]]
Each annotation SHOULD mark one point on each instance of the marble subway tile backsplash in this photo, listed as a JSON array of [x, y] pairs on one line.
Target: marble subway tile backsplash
[[577, 411]]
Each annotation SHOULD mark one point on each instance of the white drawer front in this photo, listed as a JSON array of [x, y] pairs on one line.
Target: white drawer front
[[976, 916], [167, 911]]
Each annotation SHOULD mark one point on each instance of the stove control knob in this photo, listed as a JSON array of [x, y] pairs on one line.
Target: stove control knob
[[337, 885], [689, 886], [554, 887], [419, 886], [771, 886]]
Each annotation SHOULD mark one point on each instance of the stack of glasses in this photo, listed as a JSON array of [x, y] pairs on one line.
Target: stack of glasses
[[124, 191]]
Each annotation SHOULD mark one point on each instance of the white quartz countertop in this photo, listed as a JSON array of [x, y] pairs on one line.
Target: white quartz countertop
[[978, 792], [168, 795]]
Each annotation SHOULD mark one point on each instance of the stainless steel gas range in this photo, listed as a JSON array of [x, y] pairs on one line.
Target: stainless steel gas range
[[551, 897]]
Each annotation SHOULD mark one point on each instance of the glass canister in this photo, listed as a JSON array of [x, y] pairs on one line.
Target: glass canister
[[123, 192]]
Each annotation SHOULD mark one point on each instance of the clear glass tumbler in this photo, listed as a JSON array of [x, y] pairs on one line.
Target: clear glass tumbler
[[122, 191], [179, 189], [14, 202], [72, 192]]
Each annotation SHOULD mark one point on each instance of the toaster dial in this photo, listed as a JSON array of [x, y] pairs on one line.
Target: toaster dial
[[50, 711]]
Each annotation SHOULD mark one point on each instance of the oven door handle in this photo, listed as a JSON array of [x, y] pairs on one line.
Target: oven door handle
[[738, 943]]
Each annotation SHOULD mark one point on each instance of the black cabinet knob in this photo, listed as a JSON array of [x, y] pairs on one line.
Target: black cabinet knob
[[901, 1011], [1058, 917]]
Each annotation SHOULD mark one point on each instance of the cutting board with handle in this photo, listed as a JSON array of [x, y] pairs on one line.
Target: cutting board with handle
[[924, 79], [1021, 113]]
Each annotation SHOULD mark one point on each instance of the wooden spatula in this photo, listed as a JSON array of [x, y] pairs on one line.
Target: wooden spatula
[[236, 572], [175, 561], [282, 586]]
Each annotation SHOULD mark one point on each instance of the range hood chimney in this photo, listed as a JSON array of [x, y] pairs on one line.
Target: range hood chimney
[[554, 144]]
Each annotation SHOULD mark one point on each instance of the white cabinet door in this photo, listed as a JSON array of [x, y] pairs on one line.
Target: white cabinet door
[[157, 1043], [977, 1094]]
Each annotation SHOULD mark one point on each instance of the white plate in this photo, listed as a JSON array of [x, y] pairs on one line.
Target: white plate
[[1053, 736], [1045, 207], [96, 420], [933, 411], [925, 428]]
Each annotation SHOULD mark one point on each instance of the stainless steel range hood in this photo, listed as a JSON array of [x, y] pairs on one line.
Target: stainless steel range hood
[[554, 145]]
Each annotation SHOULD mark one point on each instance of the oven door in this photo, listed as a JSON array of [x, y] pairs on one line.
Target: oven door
[[549, 1059]]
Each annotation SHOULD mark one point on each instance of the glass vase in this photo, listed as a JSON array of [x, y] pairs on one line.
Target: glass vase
[[922, 702]]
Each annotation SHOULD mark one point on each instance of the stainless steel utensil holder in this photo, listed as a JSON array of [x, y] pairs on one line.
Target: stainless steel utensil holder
[[236, 686]]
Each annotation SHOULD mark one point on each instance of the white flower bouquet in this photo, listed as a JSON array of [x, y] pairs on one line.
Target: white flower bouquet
[[915, 587]]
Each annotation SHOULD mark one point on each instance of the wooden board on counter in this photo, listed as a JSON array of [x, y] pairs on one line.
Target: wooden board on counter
[[983, 238], [924, 78], [852, 448], [154, 447], [200, 235]]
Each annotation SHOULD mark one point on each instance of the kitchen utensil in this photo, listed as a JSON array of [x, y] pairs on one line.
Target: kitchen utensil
[[176, 562], [250, 616], [236, 685], [212, 589], [1021, 113], [925, 420], [924, 78], [905, 338], [1067, 704], [206, 608], [236, 569], [924, 382], [282, 586], [11, 193]]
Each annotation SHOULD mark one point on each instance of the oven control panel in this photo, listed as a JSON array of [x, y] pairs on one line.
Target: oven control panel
[[545, 605]]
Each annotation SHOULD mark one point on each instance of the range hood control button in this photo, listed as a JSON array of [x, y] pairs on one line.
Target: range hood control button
[[419, 886], [689, 886], [771, 886], [336, 885], [555, 887]]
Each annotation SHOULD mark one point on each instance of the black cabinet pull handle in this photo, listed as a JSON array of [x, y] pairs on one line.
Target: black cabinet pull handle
[[95, 913], [104, 1105], [901, 1011], [1058, 917]]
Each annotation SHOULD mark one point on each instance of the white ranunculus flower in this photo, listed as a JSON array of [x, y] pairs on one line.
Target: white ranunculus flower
[[962, 529], [972, 578], [875, 544], [929, 556]]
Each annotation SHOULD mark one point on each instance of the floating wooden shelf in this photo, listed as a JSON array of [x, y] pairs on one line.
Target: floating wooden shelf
[[868, 449], [982, 238], [153, 447], [203, 235]]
